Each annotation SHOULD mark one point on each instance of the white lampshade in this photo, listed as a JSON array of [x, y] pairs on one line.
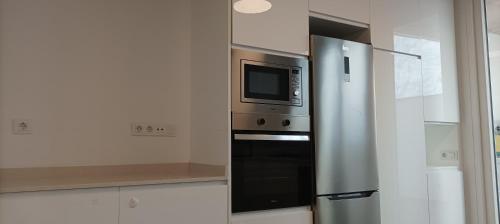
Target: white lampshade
[[252, 6]]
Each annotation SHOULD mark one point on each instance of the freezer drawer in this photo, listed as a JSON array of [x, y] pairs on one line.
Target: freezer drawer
[[364, 210]]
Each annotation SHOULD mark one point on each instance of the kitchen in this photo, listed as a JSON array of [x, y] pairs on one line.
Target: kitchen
[[145, 112]]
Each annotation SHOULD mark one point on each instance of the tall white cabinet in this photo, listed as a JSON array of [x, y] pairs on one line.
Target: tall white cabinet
[[284, 28], [400, 138], [439, 63], [425, 28]]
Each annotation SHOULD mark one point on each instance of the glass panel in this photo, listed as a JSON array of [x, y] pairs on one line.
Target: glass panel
[[270, 174], [493, 27], [267, 83]]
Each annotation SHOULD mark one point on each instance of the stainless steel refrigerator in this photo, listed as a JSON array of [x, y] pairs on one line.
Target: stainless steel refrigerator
[[344, 132]]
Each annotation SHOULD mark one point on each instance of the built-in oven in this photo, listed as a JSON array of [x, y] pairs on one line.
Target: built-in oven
[[270, 170], [271, 151]]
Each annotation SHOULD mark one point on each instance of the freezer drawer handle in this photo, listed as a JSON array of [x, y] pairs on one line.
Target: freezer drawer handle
[[262, 137], [363, 194]]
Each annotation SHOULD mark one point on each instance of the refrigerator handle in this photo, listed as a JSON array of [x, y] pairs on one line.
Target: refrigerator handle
[[354, 195]]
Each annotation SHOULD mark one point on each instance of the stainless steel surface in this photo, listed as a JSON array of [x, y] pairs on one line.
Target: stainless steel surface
[[344, 126], [350, 211], [240, 104], [270, 122], [262, 137]]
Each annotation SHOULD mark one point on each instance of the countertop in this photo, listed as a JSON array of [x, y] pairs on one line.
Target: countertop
[[66, 178]]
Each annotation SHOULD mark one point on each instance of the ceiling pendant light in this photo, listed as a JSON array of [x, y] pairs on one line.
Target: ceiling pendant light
[[252, 6]]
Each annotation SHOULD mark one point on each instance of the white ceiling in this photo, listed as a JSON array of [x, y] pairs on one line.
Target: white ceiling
[[493, 15]]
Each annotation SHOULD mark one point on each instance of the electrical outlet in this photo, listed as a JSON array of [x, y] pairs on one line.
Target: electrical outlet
[[449, 155], [22, 127], [150, 129]]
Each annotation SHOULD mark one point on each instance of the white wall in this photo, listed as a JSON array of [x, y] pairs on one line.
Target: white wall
[[210, 54], [442, 138], [83, 70]]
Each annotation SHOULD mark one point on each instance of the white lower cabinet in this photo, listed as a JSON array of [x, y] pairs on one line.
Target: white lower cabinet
[[174, 203], [301, 215], [96, 206]]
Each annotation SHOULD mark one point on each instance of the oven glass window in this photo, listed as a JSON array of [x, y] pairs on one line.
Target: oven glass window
[[270, 175], [267, 83]]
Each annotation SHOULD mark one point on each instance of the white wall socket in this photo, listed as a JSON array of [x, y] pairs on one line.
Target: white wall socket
[[22, 127], [150, 129], [449, 155]]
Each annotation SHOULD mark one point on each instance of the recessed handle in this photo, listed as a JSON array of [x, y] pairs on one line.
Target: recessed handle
[[133, 202]]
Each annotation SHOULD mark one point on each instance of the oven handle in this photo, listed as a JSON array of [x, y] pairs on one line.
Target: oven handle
[[263, 137]]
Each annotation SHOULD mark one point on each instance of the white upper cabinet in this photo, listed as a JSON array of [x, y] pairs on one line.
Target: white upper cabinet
[[96, 206], [285, 27], [425, 28], [353, 10], [395, 25], [439, 65], [174, 203]]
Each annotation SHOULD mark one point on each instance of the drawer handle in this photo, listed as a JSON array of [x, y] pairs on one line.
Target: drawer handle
[[354, 195], [134, 202]]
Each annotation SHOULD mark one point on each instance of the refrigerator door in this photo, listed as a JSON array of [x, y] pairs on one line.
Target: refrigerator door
[[349, 211], [344, 126]]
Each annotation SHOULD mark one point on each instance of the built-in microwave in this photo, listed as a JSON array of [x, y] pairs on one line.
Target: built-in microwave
[[269, 84]]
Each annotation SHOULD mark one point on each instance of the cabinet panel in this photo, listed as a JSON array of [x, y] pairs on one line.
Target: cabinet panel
[[354, 10], [175, 203], [425, 28], [439, 64], [400, 138], [96, 206], [395, 25], [285, 27]]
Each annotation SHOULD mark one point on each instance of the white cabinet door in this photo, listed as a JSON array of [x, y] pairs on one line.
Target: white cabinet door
[[439, 64], [425, 28], [400, 138], [353, 10], [285, 27], [396, 26], [174, 203], [96, 206]]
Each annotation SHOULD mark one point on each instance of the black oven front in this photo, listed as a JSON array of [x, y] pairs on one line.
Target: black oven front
[[270, 170]]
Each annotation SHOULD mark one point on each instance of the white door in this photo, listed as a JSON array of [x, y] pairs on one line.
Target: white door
[[96, 206], [174, 203], [400, 138]]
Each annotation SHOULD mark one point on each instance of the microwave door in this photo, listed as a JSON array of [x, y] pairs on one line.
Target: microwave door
[[265, 83]]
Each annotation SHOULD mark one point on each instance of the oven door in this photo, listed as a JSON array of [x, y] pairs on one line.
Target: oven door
[[270, 83], [270, 171]]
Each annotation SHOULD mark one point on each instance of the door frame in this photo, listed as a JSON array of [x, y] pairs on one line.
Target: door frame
[[478, 158]]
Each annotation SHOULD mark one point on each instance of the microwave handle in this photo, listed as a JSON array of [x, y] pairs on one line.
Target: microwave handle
[[263, 137]]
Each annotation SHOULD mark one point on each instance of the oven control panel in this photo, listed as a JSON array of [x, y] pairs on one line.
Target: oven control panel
[[295, 86], [270, 122]]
